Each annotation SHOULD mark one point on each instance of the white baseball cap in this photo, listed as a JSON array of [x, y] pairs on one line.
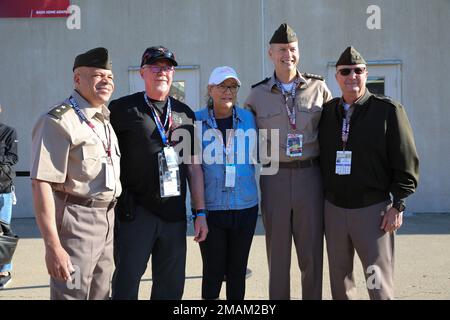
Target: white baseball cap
[[220, 74]]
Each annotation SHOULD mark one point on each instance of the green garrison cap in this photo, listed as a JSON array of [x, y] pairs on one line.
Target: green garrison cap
[[97, 58], [284, 34], [350, 57]]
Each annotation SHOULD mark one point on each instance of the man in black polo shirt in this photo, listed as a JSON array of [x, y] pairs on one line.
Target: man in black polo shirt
[[151, 214]]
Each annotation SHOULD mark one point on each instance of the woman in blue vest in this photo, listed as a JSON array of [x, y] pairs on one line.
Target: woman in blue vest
[[229, 142]]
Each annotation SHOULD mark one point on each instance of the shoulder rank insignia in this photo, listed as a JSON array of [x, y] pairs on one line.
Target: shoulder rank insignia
[[312, 76], [261, 82], [58, 111]]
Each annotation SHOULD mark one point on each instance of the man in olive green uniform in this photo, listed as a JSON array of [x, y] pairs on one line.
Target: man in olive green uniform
[[367, 153], [292, 199], [75, 180]]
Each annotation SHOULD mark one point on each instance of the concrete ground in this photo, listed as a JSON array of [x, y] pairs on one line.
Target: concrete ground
[[422, 264]]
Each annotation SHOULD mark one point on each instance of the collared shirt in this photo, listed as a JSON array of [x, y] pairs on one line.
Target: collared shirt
[[67, 153], [243, 149], [384, 155], [268, 104]]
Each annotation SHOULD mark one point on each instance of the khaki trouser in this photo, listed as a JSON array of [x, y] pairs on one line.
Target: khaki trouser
[[347, 230], [292, 207], [87, 236]]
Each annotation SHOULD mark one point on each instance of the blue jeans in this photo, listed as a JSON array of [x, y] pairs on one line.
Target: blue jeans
[[5, 216]]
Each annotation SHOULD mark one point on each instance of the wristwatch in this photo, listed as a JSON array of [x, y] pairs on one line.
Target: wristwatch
[[399, 205]]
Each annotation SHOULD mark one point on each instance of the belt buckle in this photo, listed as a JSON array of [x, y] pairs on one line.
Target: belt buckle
[[308, 163], [90, 203]]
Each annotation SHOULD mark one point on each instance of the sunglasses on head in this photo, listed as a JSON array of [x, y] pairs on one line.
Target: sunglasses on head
[[347, 71], [155, 53]]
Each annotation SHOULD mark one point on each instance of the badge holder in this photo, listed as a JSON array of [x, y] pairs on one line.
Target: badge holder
[[230, 175], [294, 145], [169, 173], [343, 162], [110, 181]]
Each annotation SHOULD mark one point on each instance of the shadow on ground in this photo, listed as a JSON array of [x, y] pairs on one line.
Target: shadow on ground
[[419, 223]]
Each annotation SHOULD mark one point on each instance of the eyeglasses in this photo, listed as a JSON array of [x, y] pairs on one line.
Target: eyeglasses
[[223, 89], [346, 71], [158, 69]]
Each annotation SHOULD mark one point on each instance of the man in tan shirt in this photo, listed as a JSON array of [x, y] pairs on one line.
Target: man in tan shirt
[[75, 181], [290, 103]]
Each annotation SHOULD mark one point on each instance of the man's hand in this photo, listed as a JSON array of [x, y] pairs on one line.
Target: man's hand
[[58, 263], [200, 229], [56, 258], [392, 220]]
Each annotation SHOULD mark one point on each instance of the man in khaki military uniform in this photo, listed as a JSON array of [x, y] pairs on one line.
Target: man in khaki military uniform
[[75, 180], [292, 199]]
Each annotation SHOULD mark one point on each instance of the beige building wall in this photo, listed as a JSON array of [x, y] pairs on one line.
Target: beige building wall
[[36, 59]]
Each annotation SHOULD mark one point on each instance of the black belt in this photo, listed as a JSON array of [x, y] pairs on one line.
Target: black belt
[[360, 200], [85, 202], [299, 164]]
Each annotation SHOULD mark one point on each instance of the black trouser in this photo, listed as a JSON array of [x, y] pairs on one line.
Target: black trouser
[[225, 251], [135, 241]]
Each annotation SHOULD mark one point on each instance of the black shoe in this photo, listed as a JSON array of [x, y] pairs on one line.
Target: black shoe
[[5, 280]]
